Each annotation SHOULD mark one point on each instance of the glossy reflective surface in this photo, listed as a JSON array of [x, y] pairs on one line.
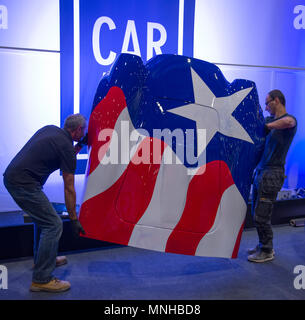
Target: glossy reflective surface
[[173, 146]]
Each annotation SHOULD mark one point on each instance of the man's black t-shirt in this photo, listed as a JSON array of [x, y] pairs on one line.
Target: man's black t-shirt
[[277, 145], [50, 148]]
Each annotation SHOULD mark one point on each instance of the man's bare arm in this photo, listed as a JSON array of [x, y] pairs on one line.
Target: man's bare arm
[[284, 123], [70, 195]]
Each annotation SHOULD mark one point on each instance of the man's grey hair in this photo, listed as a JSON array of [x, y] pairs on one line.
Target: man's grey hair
[[73, 121]]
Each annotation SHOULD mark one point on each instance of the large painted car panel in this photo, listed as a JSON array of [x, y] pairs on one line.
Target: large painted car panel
[[186, 194]]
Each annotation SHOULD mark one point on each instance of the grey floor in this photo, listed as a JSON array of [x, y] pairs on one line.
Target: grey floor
[[125, 273]]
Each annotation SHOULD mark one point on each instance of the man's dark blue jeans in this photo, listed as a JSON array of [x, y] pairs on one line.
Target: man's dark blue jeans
[[47, 228]]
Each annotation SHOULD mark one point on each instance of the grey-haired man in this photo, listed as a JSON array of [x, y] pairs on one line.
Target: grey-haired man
[[49, 149]]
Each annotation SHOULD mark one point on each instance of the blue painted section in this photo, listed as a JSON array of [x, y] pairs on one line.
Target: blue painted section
[[67, 59]]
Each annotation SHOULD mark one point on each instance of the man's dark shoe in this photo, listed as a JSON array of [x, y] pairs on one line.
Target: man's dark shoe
[[261, 256]]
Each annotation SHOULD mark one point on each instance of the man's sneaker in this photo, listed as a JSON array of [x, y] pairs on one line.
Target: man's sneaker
[[61, 260], [54, 285], [261, 256], [257, 248]]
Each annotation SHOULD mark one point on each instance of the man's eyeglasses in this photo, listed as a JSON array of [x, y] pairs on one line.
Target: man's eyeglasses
[[267, 102]]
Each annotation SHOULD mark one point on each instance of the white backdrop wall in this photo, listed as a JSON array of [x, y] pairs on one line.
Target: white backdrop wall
[[248, 39], [29, 83]]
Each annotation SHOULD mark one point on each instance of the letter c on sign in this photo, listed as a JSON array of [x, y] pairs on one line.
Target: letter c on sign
[[96, 41]]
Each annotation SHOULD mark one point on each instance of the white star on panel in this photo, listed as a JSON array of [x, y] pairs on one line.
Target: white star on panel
[[216, 115]]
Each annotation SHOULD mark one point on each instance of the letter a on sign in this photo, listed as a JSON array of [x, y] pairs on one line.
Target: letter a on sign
[[299, 281]]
